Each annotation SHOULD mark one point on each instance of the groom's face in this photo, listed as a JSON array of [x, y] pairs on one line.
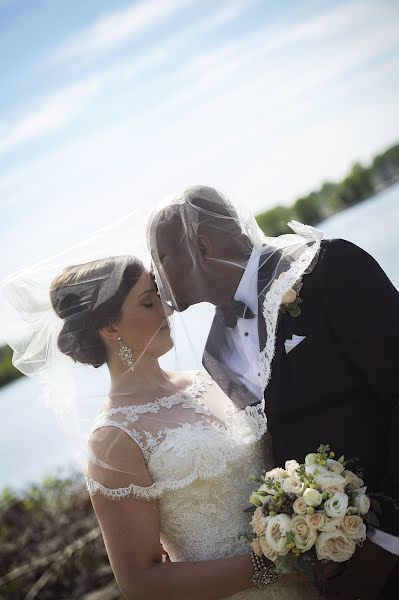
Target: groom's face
[[175, 265]]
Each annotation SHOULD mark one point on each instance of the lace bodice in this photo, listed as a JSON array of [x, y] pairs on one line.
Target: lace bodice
[[200, 452]]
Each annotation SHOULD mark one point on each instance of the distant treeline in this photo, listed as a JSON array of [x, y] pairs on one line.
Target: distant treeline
[[7, 371], [360, 183]]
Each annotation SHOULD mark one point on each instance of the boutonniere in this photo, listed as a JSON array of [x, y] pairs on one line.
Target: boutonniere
[[291, 301]]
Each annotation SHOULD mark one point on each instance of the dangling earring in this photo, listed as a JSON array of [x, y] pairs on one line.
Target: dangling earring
[[125, 354]]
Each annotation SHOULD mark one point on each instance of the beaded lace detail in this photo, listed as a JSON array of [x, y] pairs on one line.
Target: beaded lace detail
[[201, 471]]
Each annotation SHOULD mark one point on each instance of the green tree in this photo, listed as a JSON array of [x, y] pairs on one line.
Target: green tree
[[274, 221], [308, 209]]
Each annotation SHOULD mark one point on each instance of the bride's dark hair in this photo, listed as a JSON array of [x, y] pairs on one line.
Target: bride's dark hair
[[87, 297]]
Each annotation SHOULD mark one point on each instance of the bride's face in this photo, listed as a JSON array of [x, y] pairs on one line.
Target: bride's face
[[144, 320]]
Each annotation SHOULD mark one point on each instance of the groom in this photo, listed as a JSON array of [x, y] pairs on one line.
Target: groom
[[335, 372]]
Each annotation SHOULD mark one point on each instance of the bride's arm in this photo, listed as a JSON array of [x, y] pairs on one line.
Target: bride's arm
[[131, 532]]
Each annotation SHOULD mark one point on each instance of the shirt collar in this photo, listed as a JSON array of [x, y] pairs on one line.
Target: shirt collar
[[247, 290]]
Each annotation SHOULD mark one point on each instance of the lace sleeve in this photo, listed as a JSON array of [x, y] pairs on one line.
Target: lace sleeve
[[116, 467]]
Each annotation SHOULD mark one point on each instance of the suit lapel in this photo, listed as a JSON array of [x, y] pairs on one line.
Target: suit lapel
[[224, 377]]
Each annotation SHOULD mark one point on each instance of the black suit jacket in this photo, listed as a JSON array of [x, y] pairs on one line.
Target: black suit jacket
[[341, 384]]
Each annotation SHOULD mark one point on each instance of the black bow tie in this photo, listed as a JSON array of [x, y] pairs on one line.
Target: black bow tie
[[230, 312]]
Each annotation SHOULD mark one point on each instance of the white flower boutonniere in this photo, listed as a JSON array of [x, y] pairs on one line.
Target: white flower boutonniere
[[290, 302]]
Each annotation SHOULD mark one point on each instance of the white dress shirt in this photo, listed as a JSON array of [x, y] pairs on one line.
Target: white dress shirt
[[241, 353]]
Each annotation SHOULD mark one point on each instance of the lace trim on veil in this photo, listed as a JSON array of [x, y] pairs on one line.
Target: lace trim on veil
[[279, 287]]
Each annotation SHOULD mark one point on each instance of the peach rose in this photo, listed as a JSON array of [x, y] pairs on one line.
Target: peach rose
[[300, 506], [258, 522], [316, 521], [334, 488], [335, 546], [256, 547], [289, 296], [335, 465], [353, 480], [354, 528]]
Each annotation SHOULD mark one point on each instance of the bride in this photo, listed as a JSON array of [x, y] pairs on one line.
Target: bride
[[169, 454]]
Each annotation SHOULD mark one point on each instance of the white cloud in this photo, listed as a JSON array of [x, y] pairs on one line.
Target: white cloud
[[54, 112], [114, 29]]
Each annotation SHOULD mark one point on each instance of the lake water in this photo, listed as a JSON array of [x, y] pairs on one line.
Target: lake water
[[32, 442]]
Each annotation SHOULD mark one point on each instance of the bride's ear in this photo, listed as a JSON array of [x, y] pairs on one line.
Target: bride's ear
[[109, 333]]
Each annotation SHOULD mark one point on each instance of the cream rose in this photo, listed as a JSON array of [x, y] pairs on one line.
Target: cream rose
[[267, 550], [276, 529], [353, 480], [335, 465], [304, 536], [316, 521], [335, 546], [300, 506], [362, 503], [292, 485], [336, 506], [312, 497], [258, 522], [354, 528]]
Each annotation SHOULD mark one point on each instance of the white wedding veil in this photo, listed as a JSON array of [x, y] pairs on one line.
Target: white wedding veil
[[199, 247]]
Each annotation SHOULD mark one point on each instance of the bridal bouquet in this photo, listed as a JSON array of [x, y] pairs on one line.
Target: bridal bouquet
[[309, 513]]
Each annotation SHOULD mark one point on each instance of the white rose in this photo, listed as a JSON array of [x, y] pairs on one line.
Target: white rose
[[277, 473], [291, 467], [336, 506], [304, 536], [317, 520], [258, 522], [328, 479], [265, 488], [312, 497], [293, 486], [276, 529], [335, 465], [353, 480], [331, 524], [354, 528], [300, 507], [362, 503], [335, 546], [316, 469], [267, 550], [311, 459]]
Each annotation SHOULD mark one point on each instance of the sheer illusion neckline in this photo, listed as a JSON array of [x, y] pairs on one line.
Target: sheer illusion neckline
[[194, 389]]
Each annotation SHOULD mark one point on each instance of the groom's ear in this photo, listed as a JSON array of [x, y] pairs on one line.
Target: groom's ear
[[204, 245]]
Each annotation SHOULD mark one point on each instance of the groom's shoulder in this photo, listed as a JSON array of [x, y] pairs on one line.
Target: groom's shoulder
[[340, 252]]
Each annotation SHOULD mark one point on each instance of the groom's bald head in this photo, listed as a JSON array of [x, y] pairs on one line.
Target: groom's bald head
[[194, 239]]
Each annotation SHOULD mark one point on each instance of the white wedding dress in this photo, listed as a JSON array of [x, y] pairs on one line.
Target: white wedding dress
[[200, 452]]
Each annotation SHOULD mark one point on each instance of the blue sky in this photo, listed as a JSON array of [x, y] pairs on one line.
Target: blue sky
[[108, 106]]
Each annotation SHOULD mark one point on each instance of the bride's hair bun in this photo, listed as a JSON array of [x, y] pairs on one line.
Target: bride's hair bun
[[87, 297]]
